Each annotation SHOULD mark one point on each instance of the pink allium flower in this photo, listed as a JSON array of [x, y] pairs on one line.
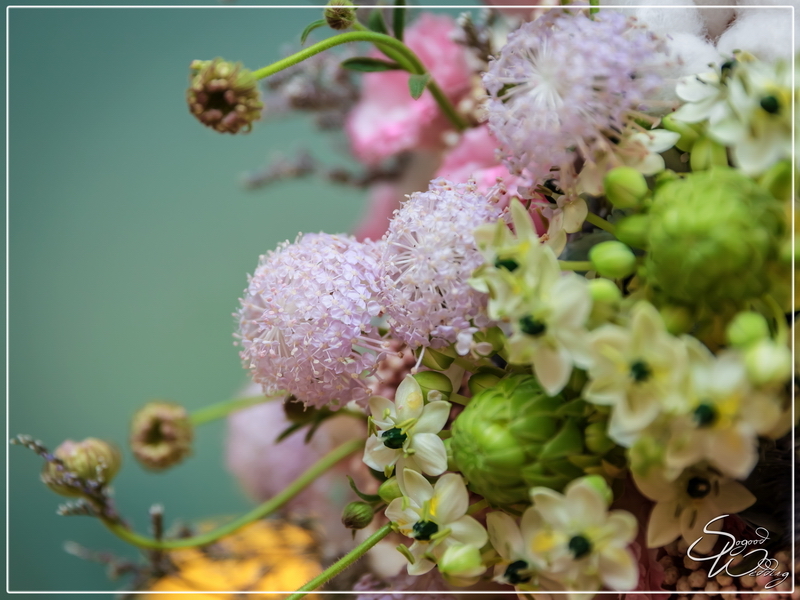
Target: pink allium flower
[[428, 256], [564, 84], [387, 120], [305, 321], [265, 467]]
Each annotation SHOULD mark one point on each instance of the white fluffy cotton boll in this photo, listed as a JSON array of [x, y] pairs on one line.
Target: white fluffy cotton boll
[[691, 54], [718, 19], [765, 33], [670, 21]]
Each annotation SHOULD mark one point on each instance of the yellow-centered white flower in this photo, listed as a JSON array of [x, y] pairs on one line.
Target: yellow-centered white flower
[[435, 517], [404, 432]]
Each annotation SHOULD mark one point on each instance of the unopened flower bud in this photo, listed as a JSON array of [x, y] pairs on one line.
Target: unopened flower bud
[[707, 153], [768, 363], [433, 359], [161, 435], [688, 133], [223, 95], [493, 336], [340, 14], [633, 230], [600, 485], [625, 187], [596, 438], [389, 490], [90, 460], [778, 180], [677, 319], [461, 564], [746, 329], [433, 381], [604, 291], [612, 259], [357, 515], [482, 380]]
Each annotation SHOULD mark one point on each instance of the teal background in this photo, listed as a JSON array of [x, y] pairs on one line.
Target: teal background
[[130, 238]]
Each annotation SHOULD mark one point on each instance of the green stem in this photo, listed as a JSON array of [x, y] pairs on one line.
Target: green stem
[[407, 59], [595, 4], [271, 505], [781, 328], [344, 562], [480, 505], [575, 265], [459, 399], [389, 52], [600, 222], [223, 409]]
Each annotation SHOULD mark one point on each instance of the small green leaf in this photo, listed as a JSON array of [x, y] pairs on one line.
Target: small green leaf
[[417, 84], [376, 22], [311, 27], [399, 18], [369, 65], [364, 497]]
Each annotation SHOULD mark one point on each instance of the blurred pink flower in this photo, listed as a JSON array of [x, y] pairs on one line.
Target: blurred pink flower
[[387, 120], [528, 9], [264, 467], [384, 199]]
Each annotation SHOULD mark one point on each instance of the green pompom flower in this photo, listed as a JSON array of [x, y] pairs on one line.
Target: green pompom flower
[[513, 436], [713, 236]]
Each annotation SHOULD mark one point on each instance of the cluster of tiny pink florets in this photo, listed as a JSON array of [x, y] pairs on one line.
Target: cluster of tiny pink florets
[[307, 320]]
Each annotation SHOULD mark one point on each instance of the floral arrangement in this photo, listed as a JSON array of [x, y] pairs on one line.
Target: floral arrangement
[[556, 354]]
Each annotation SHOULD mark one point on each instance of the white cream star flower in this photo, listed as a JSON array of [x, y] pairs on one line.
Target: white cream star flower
[[724, 416], [435, 518], [684, 506], [639, 371], [405, 431], [583, 544]]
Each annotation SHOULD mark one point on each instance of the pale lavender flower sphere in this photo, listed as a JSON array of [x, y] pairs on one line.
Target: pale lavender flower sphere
[[305, 320], [564, 83], [428, 256]]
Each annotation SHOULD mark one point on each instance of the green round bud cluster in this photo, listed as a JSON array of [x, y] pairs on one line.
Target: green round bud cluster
[[223, 95], [713, 236], [612, 259], [357, 515], [513, 436], [707, 153], [746, 329], [90, 460]]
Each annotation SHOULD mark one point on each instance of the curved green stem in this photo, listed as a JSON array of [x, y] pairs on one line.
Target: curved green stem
[[344, 562], [575, 265], [389, 52], [223, 409], [781, 328], [406, 57], [600, 222], [271, 505]]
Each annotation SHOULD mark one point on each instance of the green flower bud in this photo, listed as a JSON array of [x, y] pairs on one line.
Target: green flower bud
[[646, 454], [633, 230], [778, 180], [161, 435], [677, 319], [357, 515], [223, 95], [713, 237], [768, 363], [689, 133], [461, 564], [433, 381], [707, 153], [604, 291], [494, 336], [596, 438], [625, 187], [340, 14], [600, 485], [612, 259], [433, 359], [90, 460], [746, 329], [514, 436], [482, 380], [389, 490]]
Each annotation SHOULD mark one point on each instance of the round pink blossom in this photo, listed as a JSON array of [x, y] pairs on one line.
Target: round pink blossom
[[384, 199], [387, 120], [305, 321], [429, 254]]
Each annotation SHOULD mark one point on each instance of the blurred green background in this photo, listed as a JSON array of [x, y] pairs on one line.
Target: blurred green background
[[130, 239]]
